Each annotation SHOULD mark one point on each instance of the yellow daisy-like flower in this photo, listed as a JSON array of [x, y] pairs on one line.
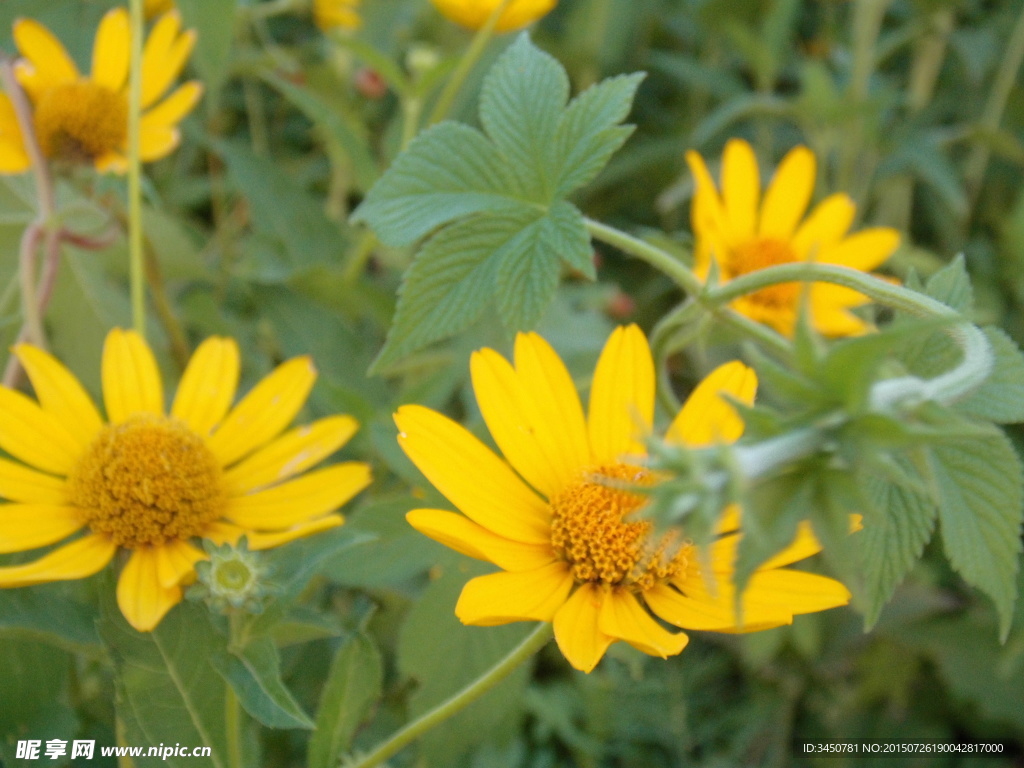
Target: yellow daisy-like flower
[[82, 119], [336, 14], [150, 482], [742, 232], [474, 13], [555, 518]]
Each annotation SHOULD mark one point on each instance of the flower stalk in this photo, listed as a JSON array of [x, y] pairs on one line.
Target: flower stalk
[[452, 706], [137, 274]]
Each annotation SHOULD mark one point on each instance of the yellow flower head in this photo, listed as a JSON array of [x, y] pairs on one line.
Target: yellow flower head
[[742, 232], [82, 119], [474, 13], [151, 482], [555, 518], [337, 14]]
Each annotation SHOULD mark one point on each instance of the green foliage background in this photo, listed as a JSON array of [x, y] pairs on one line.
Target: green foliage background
[[250, 224]]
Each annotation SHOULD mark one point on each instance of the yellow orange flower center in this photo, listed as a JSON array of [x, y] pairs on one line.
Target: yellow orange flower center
[[79, 122], [147, 481], [759, 254], [590, 532]]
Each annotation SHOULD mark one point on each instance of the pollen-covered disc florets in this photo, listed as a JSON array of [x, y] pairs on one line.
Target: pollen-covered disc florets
[[147, 481], [762, 253], [81, 121], [589, 530]]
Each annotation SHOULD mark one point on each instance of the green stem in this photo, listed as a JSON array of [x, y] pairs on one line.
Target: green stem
[[232, 711], [973, 369], [680, 274], [665, 341], [469, 59], [137, 274], [530, 645], [1002, 86], [412, 107]]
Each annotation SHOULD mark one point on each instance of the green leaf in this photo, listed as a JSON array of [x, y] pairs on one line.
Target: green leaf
[[449, 171], [952, 286], [589, 132], [1001, 397], [254, 674], [462, 267], [979, 486], [167, 690], [520, 106], [443, 656], [353, 685], [897, 524], [47, 614], [527, 276], [214, 21]]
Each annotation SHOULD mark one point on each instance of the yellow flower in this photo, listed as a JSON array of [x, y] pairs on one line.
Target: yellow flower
[[474, 13], [85, 119], [336, 14], [743, 232], [553, 515], [151, 482]]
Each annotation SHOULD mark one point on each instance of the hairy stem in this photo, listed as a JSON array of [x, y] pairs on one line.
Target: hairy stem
[[137, 274]]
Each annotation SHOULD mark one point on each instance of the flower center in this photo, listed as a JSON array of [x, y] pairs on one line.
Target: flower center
[[79, 122], [147, 481], [759, 254], [589, 532]]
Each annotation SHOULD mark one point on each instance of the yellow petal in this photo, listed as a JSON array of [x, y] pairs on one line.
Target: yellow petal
[[111, 162], [706, 418], [864, 250], [623, 618], [28, 526], [173, 109], [291, 453], [468, 473], [13, 157], [51, 65], [828, 222], [220, 532], [463, 535], [175, 563], [81, 558], [131, 380], [156, 142], [60, 393], [794, 591], [258, 541], [788, 194], [297, 501], [831, 319], [208, 385], [19, 483], [576, 628], [533, 413], [741, 188], [38, 438], [501, 598], [804, 545], [706, 613], [264, 413], [707, 211], [110, 51], [622, 397], [164, 56], [143, 601]]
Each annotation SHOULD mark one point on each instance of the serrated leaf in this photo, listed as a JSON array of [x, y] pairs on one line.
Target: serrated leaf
[[353, 685], [448, 172], [48, 615], [589, 131], [980, 511], [1001, 397], [527, 276], [254, 674], [167, 690], [520, 105], [952, 286], [897, 524]]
